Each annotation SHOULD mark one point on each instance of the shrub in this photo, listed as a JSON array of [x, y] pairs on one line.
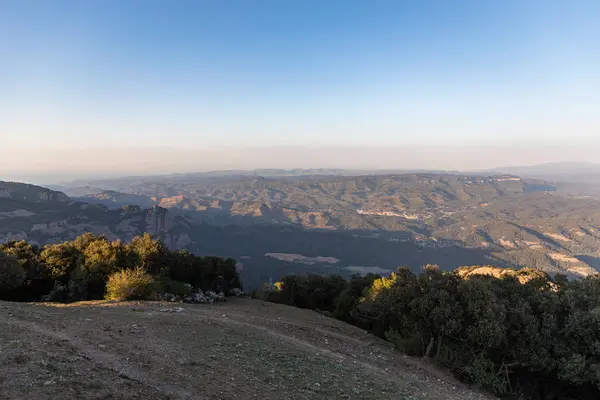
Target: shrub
[[86, 285], [205, 273], [131, 284], [59, 293], [349, 297], [311, 291], [176, 288], [12, 274], [517, 338], [79, 269], [483, 373]]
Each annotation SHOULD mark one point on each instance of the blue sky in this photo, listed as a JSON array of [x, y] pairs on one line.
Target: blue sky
[[83, 75]]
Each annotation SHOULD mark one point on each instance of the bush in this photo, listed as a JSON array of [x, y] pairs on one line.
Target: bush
[[131, 284], [79, 269], [311, 291], [12, 274], [205, 273], [59, 293], [85, 285], [176, 288], [517, 334]]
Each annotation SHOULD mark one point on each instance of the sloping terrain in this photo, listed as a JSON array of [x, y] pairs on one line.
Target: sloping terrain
[[31, 193], [242, 349], [514, 221], [368, 223], [43, 216]]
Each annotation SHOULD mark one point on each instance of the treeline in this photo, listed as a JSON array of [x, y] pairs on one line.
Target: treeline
[[80, 270], [520, 335]]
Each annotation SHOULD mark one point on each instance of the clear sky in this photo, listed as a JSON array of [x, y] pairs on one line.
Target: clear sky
[[131, 86]]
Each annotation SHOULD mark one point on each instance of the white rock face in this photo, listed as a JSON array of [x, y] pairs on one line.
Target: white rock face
[[63, 230], [183, 241], [16, 236], [158, 220], [52, 228], [16, 214]]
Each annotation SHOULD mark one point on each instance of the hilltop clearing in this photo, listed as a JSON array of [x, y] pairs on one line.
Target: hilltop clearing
[[242, 349]]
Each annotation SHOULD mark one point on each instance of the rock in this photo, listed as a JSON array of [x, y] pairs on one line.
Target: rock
[[236, 292], [207, 297], [171, 309]]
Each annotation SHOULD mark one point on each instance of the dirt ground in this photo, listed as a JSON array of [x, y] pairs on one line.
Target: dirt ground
[[240, 349]]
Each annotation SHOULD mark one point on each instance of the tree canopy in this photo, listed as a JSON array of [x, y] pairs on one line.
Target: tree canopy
[[79, 269], [518, 334]]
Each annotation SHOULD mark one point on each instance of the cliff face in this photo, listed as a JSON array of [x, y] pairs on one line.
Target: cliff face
[[158, 220], [43, 216], [30, 193]]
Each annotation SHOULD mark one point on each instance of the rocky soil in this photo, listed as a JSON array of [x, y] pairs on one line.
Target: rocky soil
[[241, 349]]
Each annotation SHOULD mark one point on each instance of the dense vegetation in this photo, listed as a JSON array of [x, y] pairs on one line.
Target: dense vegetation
[[519, 335], [80, 269]]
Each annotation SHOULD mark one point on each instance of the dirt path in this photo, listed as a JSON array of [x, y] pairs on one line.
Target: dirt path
[[242, 349]]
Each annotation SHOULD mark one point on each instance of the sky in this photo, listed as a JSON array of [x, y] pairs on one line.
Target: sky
[[118, 87]]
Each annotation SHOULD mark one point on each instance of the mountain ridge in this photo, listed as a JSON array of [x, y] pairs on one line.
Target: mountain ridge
[[369, 223]]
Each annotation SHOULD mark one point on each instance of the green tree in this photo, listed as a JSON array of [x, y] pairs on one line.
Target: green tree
[[37, 282], [60, 260], [152, 254], [12, 275]]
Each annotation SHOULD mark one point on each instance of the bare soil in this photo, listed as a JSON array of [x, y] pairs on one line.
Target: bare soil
[[240, 349]]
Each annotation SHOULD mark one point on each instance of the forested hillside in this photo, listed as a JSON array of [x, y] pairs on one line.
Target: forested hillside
[[518, 334]]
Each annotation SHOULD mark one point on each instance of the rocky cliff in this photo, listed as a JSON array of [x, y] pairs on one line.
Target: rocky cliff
[[31, 193], [43, 216]]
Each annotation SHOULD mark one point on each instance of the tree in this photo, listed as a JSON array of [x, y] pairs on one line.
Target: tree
[[37, 282], [60, 260], [152, 254], [12, 275]]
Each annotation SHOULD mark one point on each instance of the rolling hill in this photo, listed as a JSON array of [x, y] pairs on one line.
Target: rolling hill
[[367, 223]]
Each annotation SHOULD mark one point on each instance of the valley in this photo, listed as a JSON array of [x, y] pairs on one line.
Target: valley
[[374, 222]]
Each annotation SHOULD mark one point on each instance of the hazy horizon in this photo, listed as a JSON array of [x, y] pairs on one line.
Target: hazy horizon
[[143, 87], [111, 163]]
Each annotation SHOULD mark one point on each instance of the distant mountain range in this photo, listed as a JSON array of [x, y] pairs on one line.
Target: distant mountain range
[[568, 171], [331, 223]]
